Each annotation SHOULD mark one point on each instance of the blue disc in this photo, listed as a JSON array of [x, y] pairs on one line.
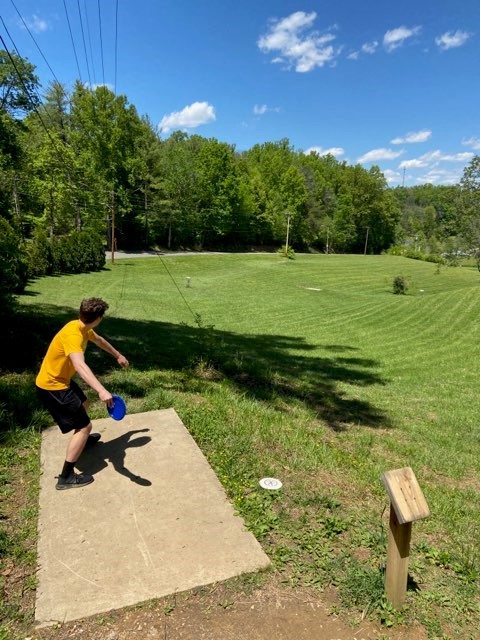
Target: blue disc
[[119, 409]]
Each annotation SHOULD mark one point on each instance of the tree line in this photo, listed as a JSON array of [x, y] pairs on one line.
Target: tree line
[[84, 162]]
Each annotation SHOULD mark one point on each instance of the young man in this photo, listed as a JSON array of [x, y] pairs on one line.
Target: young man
[[63, 398]]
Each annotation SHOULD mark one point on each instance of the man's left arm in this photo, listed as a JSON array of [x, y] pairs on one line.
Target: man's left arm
[[106, 346]]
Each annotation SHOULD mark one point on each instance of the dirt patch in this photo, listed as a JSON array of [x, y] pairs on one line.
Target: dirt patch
[[239, 609], [220, 613]]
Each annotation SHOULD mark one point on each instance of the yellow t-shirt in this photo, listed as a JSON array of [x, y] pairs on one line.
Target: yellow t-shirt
[[57, 369]]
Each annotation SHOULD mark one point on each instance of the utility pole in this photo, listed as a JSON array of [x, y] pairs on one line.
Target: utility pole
[[288, 230], [146, 213], [366, 243], [113, 229], [17, 206]]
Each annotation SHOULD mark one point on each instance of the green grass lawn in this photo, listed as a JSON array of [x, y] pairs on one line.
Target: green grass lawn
[[309, 370]]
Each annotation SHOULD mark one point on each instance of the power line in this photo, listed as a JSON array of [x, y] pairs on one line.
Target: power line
[[38, 100], [73, 42], [101, 40], [89, 40], [116, 46], [63, 146], [35, 42], [84, 45], [27, 92], [195, 315]]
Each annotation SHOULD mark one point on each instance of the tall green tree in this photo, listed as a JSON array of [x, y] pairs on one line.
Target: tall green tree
[[276, 187], [323, 182], [12, 266], [53, 185], [11, 154], [219, 192], [145, 184], [178, 224], [55, 110], [18, 84], [469, 204], [102, 136]]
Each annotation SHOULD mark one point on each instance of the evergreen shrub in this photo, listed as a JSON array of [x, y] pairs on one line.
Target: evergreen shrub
[[79, 252], [40, 257], [399, 285]]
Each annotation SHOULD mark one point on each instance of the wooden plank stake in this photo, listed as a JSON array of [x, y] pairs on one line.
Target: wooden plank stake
[[398, 552], [407, 504]]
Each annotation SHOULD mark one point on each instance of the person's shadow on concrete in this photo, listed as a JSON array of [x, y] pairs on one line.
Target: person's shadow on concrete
[[96, 458]]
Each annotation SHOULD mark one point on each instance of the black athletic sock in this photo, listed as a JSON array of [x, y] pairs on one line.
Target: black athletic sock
[[67, 469]]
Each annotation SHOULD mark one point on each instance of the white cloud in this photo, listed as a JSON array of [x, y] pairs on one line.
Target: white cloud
[[452, 39], [36, 24], [261, 109], [472, 142], [333, 151], [190, 117], [379, 154], [295, 46], [416, 163], [92, 86], [458, 157], [395, 38], [439, 176], [413, 136], [369, 47], [433, 158], [392, 176]]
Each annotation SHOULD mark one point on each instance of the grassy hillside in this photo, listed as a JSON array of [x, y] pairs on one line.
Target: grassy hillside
[[309, 370]]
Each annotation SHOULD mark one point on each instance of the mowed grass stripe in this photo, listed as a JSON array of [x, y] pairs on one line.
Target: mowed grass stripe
[[325, 389]]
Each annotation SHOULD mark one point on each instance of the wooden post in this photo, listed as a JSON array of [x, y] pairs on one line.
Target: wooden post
[[407, 504], [398, 553]]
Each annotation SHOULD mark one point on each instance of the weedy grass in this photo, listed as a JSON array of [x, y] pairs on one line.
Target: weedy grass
[[310, 370]]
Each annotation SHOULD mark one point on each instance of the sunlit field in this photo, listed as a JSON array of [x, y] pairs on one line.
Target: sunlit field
[[312, 371]]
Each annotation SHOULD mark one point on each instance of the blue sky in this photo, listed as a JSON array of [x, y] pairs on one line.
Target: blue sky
[[389, 83]]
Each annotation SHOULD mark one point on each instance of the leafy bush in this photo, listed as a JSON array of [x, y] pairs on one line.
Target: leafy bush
[[79, 252], [476, 255], [413, 254], [399, 285], [287, 252], [63, 259], [40, 258], [13, 272], [93, 250]]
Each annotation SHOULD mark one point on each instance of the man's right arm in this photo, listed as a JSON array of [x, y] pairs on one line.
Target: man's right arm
[[87, 375]]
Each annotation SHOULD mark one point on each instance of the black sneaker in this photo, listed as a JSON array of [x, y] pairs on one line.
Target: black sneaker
[[73, 481], [92, 440]]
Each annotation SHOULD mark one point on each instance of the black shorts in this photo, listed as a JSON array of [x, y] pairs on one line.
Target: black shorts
[[66, 407]]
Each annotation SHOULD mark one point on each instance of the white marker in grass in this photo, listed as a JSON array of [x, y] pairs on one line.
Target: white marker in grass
[[270, 483]]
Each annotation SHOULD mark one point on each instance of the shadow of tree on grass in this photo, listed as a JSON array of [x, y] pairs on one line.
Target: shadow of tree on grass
[[269, 368]]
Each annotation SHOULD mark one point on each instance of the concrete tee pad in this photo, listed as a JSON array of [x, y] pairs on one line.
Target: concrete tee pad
[[156, 521]]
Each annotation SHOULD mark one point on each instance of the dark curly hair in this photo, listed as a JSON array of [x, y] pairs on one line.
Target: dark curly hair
[[91, 309]]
